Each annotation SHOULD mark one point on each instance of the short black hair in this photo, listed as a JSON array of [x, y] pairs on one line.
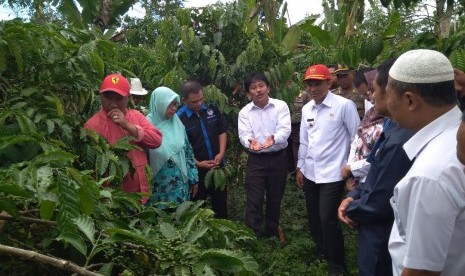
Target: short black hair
[[359, 78], [383, 73], [435, 94], [255, 76], [190, 87]]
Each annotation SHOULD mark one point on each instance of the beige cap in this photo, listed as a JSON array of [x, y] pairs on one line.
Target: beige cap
[[422, 66]]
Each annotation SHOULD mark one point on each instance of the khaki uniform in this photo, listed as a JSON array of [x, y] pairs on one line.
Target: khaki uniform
[[358, 99]]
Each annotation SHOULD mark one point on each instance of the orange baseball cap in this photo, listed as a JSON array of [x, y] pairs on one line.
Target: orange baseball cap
[[317, 72], [116, 83]]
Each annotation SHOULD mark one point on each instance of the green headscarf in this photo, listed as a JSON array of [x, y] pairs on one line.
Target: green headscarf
[[173, 131]]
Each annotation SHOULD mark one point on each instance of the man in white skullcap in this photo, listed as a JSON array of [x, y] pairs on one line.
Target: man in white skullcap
[[428, 234]]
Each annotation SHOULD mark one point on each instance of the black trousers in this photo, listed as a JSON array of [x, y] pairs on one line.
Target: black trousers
[[218, 198], [322, 201], [266, 176]]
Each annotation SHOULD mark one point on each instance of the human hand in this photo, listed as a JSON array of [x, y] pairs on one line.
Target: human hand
[[268, 142], [193, 190], [341, 213], [254, 145], [299, 177], [206, 164], [218, 159], [117, 116], [350, 184], [346, 173]]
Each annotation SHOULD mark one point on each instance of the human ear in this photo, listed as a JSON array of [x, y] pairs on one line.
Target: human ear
[[412, 100]]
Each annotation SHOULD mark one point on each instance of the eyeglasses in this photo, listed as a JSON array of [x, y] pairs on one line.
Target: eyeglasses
[[173, 105]]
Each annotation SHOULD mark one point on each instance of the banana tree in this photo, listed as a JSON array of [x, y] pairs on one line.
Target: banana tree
[[270, 15]]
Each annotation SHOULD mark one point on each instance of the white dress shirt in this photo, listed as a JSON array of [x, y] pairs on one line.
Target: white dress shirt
[[429, 202], [326, 132], [259, 123]]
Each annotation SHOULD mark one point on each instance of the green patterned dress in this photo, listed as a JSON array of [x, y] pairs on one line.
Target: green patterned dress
[[168, 185]]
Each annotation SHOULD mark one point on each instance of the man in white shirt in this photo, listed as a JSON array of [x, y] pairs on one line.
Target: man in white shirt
[[428, 234], [264, 126], [328, 126]]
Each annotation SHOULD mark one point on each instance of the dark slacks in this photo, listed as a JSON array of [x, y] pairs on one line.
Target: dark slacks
[[266, 175], [218, 198], [322, 201], [373, 254]]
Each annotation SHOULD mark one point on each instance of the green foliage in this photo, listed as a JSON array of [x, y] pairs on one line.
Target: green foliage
[[219, 177], [90, 218], [68, 178], [398, 3], [457, 58], [188, 240]]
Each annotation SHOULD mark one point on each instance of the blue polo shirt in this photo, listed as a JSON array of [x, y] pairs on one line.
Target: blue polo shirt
[[203, 130]]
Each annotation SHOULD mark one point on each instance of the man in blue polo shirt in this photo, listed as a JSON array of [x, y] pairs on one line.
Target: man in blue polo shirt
[[206, 129]]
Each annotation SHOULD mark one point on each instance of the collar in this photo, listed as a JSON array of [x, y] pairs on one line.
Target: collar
[[270, 102], [415, 145], [328, 101], [189, 111]]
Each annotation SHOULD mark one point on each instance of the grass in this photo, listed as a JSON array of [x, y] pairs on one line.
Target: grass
[[292, 258]]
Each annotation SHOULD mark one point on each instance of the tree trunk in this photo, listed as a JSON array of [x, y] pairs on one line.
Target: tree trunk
[[443, 20], [104, 16]]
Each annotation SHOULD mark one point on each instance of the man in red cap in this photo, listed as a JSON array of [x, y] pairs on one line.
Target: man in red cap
[[328, 126], [114, 121]]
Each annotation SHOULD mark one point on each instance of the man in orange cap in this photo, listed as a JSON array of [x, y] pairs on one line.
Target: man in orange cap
[[114, 121], [328, 126]]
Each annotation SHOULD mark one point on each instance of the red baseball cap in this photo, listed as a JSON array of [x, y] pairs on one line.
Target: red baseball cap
[[317, 72], [116, 83]]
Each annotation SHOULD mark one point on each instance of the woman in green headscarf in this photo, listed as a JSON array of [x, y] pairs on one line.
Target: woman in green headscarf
[[173, 164]]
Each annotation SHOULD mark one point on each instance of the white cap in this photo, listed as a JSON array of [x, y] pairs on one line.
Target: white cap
[[136, 87], [422, 66]]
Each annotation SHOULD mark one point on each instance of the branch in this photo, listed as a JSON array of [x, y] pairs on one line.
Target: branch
[[20, 243], [92, 266], [37, 257], [29, 211], [141, 248], [42, 221]]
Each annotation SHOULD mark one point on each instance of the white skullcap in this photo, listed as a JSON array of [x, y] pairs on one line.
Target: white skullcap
[[422, 66]]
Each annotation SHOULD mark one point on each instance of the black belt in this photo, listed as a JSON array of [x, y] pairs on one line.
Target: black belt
[[271, 153]]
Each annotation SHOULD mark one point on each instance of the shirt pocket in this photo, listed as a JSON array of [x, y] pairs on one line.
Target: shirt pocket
[[331, 126]]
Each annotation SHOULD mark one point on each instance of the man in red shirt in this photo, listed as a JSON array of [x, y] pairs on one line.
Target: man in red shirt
[[114, 121]]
